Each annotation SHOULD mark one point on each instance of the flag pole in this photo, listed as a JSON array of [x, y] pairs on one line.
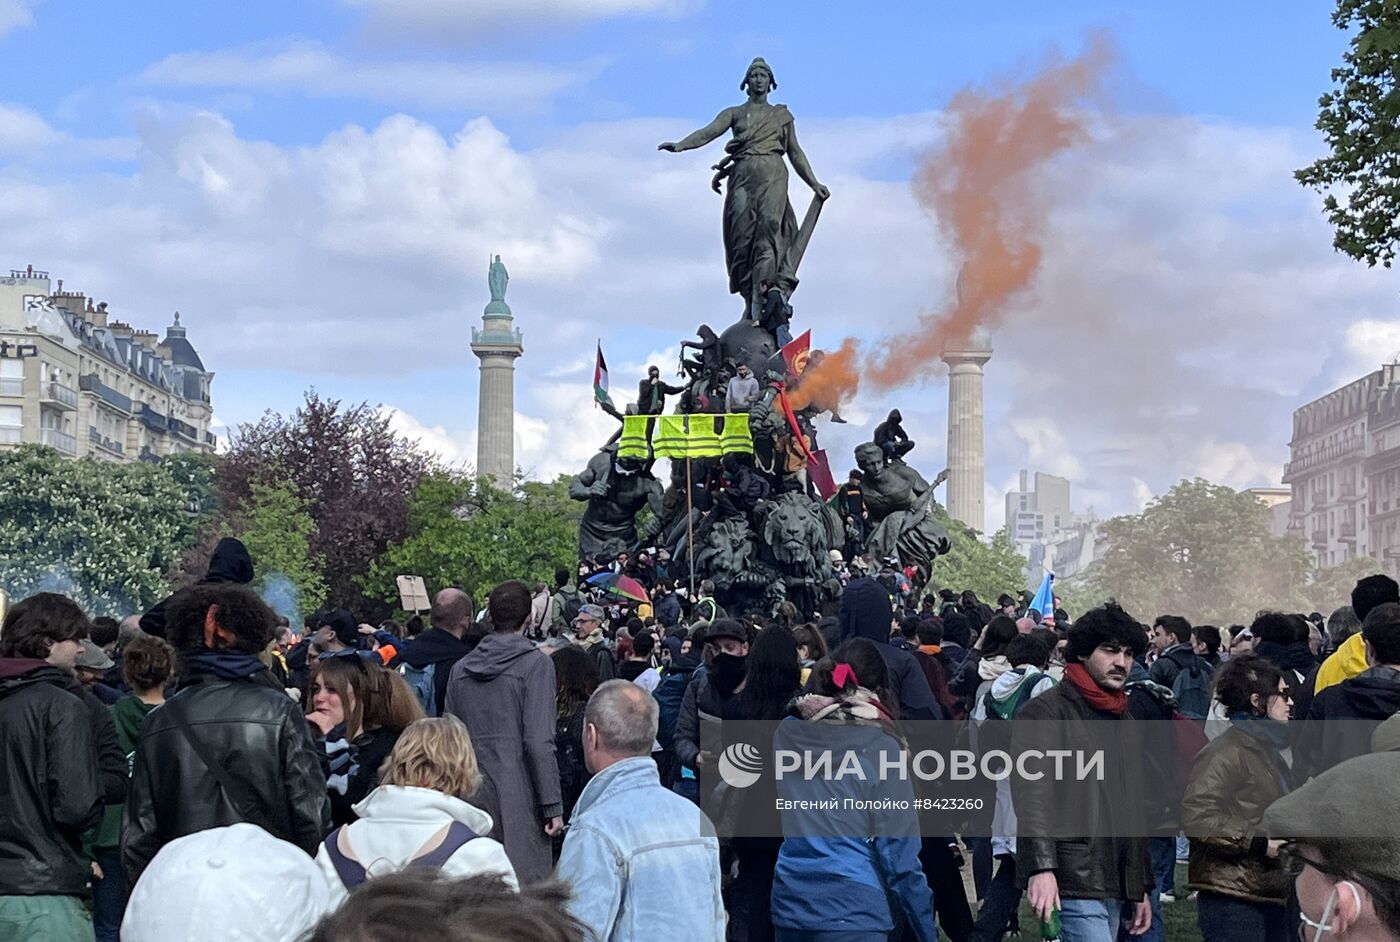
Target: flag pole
[[689, 517]]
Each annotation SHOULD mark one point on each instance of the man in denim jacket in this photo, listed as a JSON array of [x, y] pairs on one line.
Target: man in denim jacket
[[642, 860]]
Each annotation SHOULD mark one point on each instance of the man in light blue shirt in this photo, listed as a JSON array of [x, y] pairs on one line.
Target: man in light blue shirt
[[642, 861]]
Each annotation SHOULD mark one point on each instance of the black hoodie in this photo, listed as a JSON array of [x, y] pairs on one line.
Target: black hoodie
[[439, 647], [866, 613], [229, 563], [1343, 717]]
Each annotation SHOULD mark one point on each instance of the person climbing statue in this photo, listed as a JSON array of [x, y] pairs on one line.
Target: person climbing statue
[[890, 436]]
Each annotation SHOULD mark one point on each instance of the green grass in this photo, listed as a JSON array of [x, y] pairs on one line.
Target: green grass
[[1180, 917]]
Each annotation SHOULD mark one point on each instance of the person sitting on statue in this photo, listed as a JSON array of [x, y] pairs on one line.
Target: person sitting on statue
[[889, 435], [744, 491], [707, 365], [652, 393], [742, 391]]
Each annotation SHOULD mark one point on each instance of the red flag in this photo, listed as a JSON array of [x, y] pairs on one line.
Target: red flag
[[792, 421], [819, 471], [796, 353]]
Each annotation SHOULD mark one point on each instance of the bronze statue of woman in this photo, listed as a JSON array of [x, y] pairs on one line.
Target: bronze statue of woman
[[760, 228]]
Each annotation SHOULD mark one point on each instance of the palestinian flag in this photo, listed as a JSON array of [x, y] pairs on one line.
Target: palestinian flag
[[600, 378]]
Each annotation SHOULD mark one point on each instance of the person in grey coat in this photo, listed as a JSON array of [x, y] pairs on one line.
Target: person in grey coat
[[504, 691]]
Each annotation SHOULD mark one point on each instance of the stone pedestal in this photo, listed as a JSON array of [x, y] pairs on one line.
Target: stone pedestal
[[966, 455]]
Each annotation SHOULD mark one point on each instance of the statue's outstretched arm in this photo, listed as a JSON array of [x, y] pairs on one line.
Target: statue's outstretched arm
[[798, 157], [703, 136]]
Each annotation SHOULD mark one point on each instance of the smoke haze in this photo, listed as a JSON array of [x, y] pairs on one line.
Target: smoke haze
[[981, 186]]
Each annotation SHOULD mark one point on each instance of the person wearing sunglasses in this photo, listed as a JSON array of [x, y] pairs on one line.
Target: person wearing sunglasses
[[1242, 890], [1343, 850]]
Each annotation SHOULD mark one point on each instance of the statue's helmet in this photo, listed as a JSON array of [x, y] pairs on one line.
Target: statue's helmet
[[758, 63]]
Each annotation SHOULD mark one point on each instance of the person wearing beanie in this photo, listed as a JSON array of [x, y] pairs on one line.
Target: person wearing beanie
[[1095, 882], [229, 564], [588, 634], [1345, 857], [227, 884]]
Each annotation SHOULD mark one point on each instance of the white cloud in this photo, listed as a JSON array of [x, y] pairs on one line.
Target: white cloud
[[15, 14], [474, 19], [1189, 297], [1369, 343], [21, 130], [455, 450], [310, 69]]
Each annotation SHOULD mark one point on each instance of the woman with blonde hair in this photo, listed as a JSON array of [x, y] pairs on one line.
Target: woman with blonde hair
[[419, 816], [358, 710]]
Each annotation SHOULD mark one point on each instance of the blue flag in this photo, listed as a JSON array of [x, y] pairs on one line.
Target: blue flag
[[1044, 601]]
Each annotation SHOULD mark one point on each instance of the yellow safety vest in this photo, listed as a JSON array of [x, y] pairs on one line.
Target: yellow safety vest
[[736, 439], [633, 443]]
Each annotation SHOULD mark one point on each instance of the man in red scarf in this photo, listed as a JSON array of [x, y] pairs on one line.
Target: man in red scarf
[[1099, 881]]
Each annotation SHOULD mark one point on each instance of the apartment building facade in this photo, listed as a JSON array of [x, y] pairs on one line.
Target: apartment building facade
[[89, 386]]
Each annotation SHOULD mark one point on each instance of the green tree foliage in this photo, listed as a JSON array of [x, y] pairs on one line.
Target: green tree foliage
[[463, 531], [1330, 588], [103, 534], [1360, 118], [989, 569], [352, 474], [1201, 550], [277, 531]]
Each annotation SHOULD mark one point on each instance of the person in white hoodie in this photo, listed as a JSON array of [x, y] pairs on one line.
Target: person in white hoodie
[[996, 705], [419, 816]]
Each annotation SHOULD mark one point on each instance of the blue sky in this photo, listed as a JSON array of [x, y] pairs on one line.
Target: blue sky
[[317, 186]]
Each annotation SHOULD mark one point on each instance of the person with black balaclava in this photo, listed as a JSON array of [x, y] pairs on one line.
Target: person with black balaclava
[[652, 393], [703, 707], [889, 435], [230, 563]]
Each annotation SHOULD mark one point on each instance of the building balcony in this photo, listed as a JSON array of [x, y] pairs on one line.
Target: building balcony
[[148, 456], [498, 338], [57, 394], [1346, 490], [89, 383], [1322, 456], [185, 430], [1346, 532], [1319, 539], [11, 387], [11, 434], [105, 443], [59, 440], [152, 419], [211, 439]]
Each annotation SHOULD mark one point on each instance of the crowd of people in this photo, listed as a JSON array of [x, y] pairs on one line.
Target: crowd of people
[[542, 766]]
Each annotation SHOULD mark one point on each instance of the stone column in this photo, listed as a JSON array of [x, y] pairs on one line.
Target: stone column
[[966, 456], [496, 345]]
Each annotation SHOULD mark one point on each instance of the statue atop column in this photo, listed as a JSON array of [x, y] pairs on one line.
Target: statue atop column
[[762, 241], [496, 279]]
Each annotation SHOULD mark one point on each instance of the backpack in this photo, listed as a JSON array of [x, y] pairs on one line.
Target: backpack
[[422, 681], [566, 604], [352, 873], [994, 732], [1191, 689]]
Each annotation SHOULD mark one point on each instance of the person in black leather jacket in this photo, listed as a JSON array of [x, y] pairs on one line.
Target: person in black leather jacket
[[49, 791], [261, 767]]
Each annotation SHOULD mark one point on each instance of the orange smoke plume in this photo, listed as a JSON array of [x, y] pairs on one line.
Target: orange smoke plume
[[980, 187]]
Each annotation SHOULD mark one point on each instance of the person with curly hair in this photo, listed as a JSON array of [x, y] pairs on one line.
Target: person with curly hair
[[229, 745]]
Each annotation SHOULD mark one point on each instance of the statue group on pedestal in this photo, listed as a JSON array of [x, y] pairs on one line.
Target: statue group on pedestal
[[756, 526]]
